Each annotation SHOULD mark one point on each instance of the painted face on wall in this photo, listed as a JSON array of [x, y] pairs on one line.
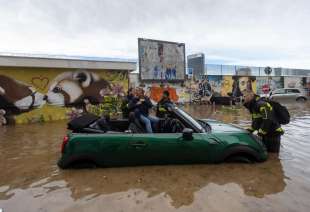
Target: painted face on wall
[[245, 83], [70, 88], [227, 85], [64, 92]]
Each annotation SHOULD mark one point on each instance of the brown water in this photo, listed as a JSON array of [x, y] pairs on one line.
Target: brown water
[[31, 181]]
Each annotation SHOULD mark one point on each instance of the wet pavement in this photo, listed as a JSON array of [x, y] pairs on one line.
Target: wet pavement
[[31, 181]]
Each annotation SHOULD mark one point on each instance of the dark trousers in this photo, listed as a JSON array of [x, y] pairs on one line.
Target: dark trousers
[[272, 143]]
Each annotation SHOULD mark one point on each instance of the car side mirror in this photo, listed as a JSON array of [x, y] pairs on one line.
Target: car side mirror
[[187, 134]]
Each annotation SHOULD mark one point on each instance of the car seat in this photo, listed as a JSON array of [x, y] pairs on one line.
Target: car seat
[[170, 125], [103, 123], [134, 124]]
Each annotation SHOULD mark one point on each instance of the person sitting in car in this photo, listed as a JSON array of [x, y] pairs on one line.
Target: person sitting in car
[[141, 105], [161, 110]]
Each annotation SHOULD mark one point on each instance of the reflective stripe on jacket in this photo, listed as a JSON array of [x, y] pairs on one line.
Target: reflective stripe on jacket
[[263, 117]]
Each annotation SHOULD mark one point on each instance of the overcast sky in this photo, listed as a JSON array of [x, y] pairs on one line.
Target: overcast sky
[[248, 32]]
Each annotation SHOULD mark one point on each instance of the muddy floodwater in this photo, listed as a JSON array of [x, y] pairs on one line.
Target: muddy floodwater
[[31, 181]]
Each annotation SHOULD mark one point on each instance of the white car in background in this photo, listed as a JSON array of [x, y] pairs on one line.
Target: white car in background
[[283, 94]]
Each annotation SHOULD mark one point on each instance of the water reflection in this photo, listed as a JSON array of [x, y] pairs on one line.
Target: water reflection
[[29, 175], [179, 182]]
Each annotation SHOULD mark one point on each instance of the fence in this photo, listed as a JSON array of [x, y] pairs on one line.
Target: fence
[[218, 69]]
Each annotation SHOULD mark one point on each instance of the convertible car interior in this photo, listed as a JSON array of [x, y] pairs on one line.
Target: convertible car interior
[[90, 123]]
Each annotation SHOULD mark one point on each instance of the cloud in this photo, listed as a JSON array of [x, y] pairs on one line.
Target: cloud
[[256, 32]]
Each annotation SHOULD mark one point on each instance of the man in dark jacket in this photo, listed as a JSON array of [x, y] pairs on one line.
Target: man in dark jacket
[[161, 105], [141, 105], [263, 120], [126, 101]]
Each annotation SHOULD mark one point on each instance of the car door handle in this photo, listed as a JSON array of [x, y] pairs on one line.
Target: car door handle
[[138, 144]]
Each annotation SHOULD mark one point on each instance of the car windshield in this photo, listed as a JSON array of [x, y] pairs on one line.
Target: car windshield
[[191, 119]]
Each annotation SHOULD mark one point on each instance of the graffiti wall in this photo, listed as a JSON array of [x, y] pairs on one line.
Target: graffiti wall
[[216, 84], [223, 86], [42, 94], [191, 89]]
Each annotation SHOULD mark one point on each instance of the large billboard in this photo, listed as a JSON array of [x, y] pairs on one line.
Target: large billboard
[[196, 63], [161, 60]]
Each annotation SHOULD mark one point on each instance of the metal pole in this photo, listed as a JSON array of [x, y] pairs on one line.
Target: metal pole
[[221, 69]]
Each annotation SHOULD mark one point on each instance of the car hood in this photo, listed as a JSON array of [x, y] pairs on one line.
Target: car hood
[[220, 127]]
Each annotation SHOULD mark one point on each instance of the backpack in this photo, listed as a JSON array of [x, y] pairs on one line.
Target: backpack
[[281, 112]]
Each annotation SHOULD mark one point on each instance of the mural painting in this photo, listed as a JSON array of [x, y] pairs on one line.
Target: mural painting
[[33, 94], [194, 90], [234, 85], [216, 84], [222, 87]]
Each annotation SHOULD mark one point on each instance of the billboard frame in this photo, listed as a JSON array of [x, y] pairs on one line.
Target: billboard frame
[[160, 80]]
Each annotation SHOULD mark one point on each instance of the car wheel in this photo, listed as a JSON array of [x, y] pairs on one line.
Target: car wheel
[[242, 158], [301, 99]]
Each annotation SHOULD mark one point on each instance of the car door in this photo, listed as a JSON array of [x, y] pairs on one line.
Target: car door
[[278, 95], [114, 149], [290, 94], [170, 148], [201, 149], [150, 148]]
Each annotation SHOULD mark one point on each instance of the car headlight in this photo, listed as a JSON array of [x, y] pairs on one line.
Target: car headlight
[[258, 139]]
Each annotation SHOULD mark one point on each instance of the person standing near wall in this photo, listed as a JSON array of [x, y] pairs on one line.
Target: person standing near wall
[[264, 120]]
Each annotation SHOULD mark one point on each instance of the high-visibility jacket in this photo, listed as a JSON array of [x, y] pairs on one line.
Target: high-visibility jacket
[[263, 117], [161, 107]]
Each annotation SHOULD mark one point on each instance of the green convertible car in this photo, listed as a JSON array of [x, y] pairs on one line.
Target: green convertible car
[[177, 139]]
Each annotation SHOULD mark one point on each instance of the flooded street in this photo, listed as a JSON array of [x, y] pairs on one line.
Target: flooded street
[[31, 181]]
